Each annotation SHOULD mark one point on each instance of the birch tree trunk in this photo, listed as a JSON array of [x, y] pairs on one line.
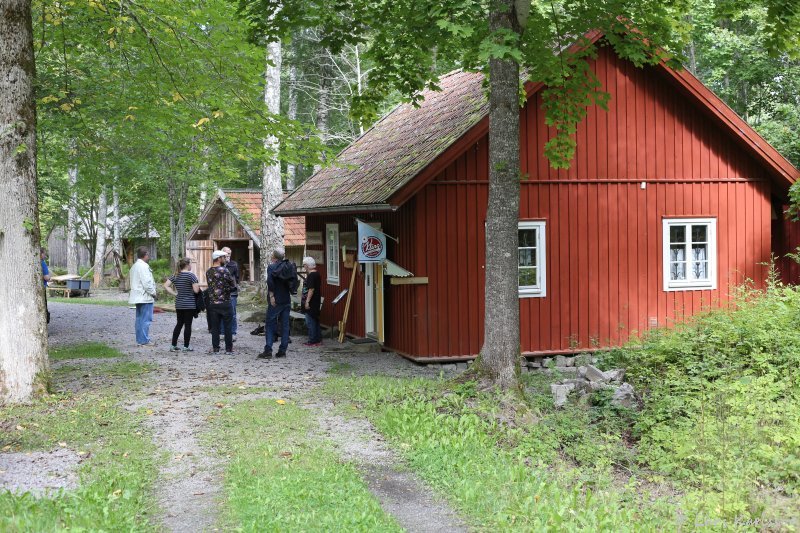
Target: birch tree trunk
[[359, 84], [102, 233], [116, 242], [499, 358], [323, 107], [72, 222], [203, 196], [177, 220], [291, 168], [23, 327], [271, 226]]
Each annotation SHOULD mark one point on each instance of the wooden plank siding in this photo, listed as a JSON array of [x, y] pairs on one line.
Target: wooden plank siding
[[403, 313], [603, 230]]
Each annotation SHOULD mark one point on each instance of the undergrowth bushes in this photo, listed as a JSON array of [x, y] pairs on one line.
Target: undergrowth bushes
[[721, 399]]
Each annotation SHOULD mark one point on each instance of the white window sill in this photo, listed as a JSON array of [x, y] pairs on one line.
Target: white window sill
[[698, 287], [532, 293], [332, 281]]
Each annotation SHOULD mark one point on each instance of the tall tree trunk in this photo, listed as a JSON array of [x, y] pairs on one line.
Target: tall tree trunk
[[72, 222], [203, 193], [499, 358], [271, 226], [359, 84], [102, 235], [323, 107], [116, 243], [23, 327], [291, 168], [177, 220]]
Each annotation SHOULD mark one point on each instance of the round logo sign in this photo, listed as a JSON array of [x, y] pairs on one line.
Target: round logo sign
[[371, 247]]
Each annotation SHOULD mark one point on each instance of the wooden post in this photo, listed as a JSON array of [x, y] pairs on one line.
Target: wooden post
[[251, 258], [343, 323]]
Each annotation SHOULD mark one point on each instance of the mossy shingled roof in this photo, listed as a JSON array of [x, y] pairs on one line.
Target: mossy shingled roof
[[395, 149]]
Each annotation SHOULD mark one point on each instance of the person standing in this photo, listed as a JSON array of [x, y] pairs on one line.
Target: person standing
[[220, 286], [278, 303], [311, 302], [233, 268], [45, 278], [186, 285], [143, 295]]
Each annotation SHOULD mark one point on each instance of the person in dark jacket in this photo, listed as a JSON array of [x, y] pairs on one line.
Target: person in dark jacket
[[278, 305], [311, 302]]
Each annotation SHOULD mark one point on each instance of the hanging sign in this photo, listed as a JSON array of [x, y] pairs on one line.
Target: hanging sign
[[371, 244]]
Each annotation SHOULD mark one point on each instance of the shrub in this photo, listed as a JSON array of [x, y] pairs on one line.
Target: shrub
[[721, 398]]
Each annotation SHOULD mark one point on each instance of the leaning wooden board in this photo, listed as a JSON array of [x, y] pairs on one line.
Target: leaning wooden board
[[343, 323]]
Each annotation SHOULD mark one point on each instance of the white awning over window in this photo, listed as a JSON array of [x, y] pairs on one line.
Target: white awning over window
[[393, 269]]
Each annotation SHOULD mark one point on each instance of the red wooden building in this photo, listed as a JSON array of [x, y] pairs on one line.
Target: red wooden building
[[671, 200]]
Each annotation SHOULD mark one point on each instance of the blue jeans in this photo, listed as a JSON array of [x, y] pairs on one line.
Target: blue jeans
[[144, 317], [234, 326], [274, 314], [314, 333]]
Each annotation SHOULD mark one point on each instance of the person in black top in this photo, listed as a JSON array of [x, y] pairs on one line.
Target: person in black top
[[278, 304], [220, 286], [186, 285], [233, 268], [310, 302]]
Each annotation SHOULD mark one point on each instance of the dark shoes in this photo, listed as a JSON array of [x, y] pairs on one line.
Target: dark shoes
[[264, 355], [280, 354]]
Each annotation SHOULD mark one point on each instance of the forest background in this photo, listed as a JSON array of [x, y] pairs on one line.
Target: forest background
[[142, 102]]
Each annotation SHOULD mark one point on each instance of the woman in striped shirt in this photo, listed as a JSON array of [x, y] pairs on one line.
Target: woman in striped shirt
[[186, 285]]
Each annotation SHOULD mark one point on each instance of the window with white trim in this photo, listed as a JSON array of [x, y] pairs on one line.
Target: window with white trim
[[531, 268], [690, 254], [332, 253]]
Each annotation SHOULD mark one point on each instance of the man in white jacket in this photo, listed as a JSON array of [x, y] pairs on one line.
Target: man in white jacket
[[143, 294]]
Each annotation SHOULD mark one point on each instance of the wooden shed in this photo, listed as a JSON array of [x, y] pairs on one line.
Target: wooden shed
[[670, 202], [233, 219]]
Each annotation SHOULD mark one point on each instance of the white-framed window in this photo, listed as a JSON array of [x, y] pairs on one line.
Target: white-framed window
[[690, 254], [332, 253], [531, 267]]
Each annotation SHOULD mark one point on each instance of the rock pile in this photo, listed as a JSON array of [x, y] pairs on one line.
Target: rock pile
[[589, 379]]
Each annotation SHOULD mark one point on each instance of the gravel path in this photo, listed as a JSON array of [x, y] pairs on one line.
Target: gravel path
[[181, 395]]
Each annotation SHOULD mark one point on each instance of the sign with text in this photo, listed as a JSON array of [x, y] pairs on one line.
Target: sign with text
[[371, 244]]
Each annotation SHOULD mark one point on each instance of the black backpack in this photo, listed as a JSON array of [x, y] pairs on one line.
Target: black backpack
[[286, 272]]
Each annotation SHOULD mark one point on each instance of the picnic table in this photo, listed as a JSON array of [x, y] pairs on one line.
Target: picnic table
[[69, 284]]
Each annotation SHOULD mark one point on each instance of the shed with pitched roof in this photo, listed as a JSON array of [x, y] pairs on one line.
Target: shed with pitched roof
[[233, 219], [672, 199]]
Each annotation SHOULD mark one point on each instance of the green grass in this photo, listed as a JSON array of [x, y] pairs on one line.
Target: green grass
[[87, 350], [88, 301], [499, 474], [122, 369], [280, 478], [115, 479]]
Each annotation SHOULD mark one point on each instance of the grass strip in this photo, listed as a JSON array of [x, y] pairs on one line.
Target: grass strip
[[86, 350], [489, 470], [116, 474], [280, 478]]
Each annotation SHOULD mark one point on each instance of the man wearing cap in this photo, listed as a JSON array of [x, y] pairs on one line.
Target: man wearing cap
[[233, 268], [220, 286]]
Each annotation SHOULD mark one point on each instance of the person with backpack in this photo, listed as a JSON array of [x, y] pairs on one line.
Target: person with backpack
[[281, 284], [183, 285]]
